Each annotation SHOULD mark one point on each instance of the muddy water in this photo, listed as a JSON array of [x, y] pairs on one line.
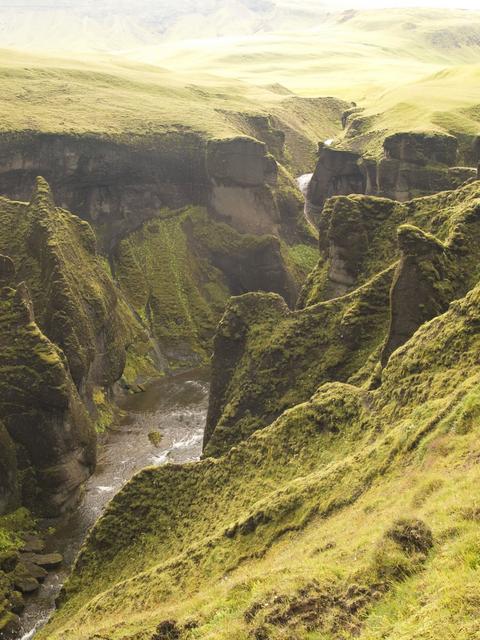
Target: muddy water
[[175, 407]]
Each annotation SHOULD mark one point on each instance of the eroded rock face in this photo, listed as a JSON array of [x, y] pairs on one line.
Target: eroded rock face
[[75, 302], [241, 161], [64, 333], [9, 496], [119, 186], [386, 269], [41, 408], [422, 148], [113, 185], [347, 237], [421, 288], [242, 173]]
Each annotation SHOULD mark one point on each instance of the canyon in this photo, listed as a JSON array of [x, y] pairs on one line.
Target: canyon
[[239, 337]]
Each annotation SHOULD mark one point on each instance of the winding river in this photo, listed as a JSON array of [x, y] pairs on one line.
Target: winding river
[[176, 409]]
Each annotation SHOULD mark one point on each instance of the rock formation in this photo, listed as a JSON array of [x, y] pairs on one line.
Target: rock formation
[[413, 165], [337, 173], [422, 287]]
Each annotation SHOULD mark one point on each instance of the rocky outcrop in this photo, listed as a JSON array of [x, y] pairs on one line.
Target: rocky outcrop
[[115, 186], [65, 331], [76, 304], [290, 353], [337, 173], [416, 164], [241, 161], [9, 494], [355, 233], [242, 175], [413, 165], [422, 148], [118, 186], [382, 275]]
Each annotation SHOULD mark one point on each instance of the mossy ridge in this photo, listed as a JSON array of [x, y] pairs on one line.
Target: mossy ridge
[[361, 233], [329, 477], [276, 358], [75, 302]]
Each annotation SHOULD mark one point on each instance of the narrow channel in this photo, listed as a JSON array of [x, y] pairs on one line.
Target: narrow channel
[[175, 408]]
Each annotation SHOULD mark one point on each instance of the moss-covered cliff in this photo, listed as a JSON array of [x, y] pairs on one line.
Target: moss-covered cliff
[[378, 280], [178, 270]]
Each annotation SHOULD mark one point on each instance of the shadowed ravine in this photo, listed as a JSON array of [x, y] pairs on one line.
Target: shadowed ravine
[[174, 407]]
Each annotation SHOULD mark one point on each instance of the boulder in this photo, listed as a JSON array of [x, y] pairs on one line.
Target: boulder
[[23, 580], [46, 560], [33, 544]]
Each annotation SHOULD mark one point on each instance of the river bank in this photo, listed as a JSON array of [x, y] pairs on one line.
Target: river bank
[[163, 424]]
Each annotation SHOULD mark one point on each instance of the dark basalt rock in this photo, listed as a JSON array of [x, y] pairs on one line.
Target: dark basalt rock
[[414, 164], [116, 186], [9, 490], [243, 176], [23, 580], [47, 560]]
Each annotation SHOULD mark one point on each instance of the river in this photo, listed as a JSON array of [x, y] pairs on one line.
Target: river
[[176, 407]]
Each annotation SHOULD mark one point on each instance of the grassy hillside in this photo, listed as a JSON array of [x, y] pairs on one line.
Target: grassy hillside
[[409, 69], [445, 101], [351, 516], [130, 101]]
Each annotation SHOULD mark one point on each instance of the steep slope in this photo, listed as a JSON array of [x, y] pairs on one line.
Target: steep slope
[[178, 270], [342, 518]]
